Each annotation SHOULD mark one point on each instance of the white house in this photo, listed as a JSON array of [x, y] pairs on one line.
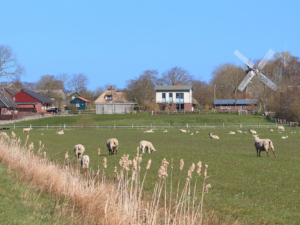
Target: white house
[[175, 97]]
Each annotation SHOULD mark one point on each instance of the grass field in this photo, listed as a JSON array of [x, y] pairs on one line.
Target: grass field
[[245, 188]]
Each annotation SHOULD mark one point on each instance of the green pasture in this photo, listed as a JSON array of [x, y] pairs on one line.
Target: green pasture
[[245, 188]]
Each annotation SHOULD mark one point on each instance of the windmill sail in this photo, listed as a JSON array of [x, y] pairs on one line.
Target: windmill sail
[[266, 81], [244, 59], [246, 80], [266, 59]]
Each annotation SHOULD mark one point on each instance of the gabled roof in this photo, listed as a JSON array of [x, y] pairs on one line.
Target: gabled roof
[[173, 88], [37, 96], [6, 101], [117, 96], [83, 99], [11, 91], [71, 93], [236, 102]]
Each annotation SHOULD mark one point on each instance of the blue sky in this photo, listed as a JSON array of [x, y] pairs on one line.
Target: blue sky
[[115, 41]]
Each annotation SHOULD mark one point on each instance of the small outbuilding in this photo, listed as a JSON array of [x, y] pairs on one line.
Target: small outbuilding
[[235, 105], [80, 102]]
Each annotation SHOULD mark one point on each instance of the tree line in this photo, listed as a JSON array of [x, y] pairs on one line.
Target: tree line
[[284, 70]]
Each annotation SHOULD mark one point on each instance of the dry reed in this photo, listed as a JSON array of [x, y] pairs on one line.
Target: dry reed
[[108, 202]]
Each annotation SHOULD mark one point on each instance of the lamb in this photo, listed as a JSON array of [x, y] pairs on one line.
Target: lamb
[[79, 150], [147, 144], [165, 131], [60, 132], [182, 131], [85, 161], [252, 131], [284, 137], [213, 136], [149, 131], [280, 128], [112, 145], [263, 145], [231, 132], [26, 129], [272, 130]]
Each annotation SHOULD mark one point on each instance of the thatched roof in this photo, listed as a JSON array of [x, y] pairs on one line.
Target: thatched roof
[[117, 96]]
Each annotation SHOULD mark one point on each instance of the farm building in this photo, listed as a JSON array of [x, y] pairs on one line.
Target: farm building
[[235, 105], [80, 102], [8, 107], [113, 102], [30, 101], [71, 95], [175, 97]]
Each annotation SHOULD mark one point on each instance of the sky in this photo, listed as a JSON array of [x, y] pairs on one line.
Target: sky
[[112, 41]]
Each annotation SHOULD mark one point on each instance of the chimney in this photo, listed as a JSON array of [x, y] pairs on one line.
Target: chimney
[[110, 87], [175, 84]]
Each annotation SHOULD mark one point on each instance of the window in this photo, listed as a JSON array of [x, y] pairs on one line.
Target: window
[[77, 105], [179, 97], [108, 97], [73, 97], [243, 106], [222, 107], [170, 98], [163, 97], [228, 107]]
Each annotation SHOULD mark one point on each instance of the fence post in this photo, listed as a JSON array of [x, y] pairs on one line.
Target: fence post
[[204, 125], [114, 126], [97, 126], [169, 125], [258, 125], [14, 126], [223, 124], [64, 126], [47, 126], [151, 126], [187, 126], [131, 126]]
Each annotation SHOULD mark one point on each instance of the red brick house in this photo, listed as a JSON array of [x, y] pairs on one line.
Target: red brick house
[[235, 105], [30, 101]]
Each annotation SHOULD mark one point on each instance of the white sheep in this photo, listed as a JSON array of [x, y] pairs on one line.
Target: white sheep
[[252, 131], [79, 150], [280, 128], [240, 131], [149, 131], [213, 136], [60, 132], [112, 145], [165, 131], [284, 137], [85, 161], [148, 145], [263, 145], [272, 130], [26, 129], [4, 135], [231, 132], [182, 131]]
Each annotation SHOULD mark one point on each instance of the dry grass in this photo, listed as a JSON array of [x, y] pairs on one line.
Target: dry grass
[[96, 200]]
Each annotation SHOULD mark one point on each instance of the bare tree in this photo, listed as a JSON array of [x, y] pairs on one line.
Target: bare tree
[[63, 78], [226, 79], [176, 75], [203, 93], [9, 66], [78, 82], [48, 85], [141, 90]]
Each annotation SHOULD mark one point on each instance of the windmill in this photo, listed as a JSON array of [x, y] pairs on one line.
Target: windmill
[[251, 71]]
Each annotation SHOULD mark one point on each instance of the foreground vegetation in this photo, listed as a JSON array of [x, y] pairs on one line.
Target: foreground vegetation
[[245, 188]]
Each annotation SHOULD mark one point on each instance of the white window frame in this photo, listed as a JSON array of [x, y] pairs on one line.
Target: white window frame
[[77, 105], [222, 107], [108, 97], [228, 107]]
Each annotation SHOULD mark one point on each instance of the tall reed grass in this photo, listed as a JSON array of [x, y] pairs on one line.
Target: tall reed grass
[[97, 200]]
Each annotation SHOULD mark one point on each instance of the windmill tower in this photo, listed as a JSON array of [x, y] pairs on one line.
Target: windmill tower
[[251, 71]]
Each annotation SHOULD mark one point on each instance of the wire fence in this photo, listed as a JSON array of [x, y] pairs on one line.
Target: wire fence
[[143, 127]]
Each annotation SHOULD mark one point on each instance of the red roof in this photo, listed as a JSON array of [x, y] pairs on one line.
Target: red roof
[[83, 99]]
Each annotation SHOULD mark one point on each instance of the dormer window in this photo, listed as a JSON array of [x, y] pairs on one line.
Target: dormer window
[[108, 97]]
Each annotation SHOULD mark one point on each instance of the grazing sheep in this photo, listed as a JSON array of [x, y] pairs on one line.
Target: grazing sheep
[[240, 131], [263, 145], [12, 135], [79, 150], [182, 131], [252, 131], [26, 129], [148, 145], [213, 136], [284, 137], [85, 161], [165, 131], [280, 128], [231, 132], [60, 132], [272, 130], [112, 145], [149, 131]]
